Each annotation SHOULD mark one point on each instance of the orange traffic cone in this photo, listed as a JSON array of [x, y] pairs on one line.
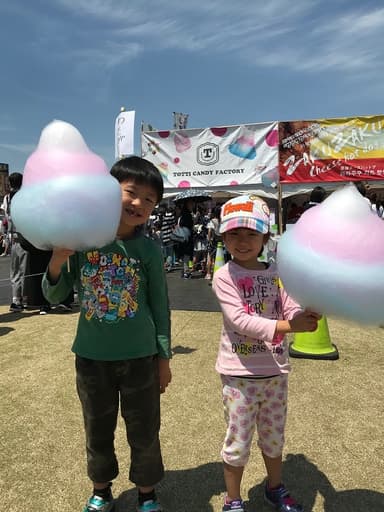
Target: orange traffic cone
[[219, 260], [314, 345]]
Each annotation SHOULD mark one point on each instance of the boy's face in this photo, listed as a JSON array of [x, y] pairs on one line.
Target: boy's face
[[138, 202], [244, 244]]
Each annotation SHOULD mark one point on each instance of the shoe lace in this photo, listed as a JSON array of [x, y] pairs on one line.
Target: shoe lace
[[150, 506], [236, 505], [284, 496], [96, 503]]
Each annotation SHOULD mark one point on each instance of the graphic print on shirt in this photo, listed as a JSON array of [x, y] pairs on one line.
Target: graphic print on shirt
[[110, 282], [260, 296]]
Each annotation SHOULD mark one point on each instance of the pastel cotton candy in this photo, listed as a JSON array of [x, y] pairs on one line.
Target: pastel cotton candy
[[68, 197], [332, 259]]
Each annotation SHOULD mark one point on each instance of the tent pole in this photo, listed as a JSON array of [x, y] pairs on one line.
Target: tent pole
[[280, 207]]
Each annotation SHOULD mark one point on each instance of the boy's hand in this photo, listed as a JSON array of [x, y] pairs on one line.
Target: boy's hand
[[60, 255], [58, 258], [164, 374], [305, 321]]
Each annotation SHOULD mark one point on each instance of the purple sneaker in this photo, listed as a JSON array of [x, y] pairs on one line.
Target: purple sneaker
[[236, 505], [281, 500]]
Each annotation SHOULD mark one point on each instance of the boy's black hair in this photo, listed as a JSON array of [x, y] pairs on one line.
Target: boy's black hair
[[15, 180], [141, 171]]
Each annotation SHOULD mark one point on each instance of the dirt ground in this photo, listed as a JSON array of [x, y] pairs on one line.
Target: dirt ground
[[333, 459]]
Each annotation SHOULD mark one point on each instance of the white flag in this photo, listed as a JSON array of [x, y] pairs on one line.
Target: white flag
[[180, 121], [124, 134]]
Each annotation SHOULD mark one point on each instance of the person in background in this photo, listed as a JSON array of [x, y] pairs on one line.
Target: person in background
[[122, 344], [167, 225], [294, 213], [200, 245], [19, 257], [253, 354], [316, 197], [364, 192], [213, 238], [186, 248], [380, 209], [38, 260]]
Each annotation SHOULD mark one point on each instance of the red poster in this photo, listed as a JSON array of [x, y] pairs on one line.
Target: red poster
[[343, 149]]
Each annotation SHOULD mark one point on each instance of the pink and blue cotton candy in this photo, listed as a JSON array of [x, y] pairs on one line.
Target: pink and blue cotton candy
[[68, 198], [332, 259]]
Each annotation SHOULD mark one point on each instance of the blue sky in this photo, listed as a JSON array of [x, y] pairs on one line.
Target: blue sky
[[221, 61]]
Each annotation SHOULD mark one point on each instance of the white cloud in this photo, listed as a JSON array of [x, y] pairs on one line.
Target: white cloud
[[19, 148], [303, 35]]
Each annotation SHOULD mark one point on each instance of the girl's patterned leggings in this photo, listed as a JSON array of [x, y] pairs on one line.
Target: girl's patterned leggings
[[249, 404]]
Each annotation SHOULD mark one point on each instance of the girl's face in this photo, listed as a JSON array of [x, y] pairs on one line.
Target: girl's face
[[245, 245], [138, 202]]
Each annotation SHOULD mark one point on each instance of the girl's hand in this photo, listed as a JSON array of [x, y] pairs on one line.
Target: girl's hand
[[305, 321], [165, 374]]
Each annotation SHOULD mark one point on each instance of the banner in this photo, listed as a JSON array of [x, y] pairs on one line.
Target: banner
[[124, 134], [342, 149], [221, 156]]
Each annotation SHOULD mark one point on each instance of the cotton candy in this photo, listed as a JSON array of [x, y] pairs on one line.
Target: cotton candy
[[332, 259], [68, 197]]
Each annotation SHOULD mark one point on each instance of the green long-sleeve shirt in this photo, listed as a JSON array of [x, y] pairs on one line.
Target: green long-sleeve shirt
[[124, 310]]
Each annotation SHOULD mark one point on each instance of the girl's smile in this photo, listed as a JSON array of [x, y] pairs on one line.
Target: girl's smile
[[245, 246]]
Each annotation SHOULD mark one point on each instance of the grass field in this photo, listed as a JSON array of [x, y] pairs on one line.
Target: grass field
[[334, 454]]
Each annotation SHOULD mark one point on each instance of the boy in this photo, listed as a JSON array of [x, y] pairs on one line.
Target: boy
[[122, 344]]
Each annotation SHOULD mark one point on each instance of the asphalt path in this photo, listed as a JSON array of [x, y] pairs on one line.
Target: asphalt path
[[5, 284], [193, 294]]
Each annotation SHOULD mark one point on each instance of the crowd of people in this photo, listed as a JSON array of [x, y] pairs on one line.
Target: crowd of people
[[318, 194], [197, 252]]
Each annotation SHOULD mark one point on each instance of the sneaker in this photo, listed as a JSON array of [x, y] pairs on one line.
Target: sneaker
[[237, 505], [150, 506], [186, 275], [98, 504], [281, 500], [44, 310], [64, 307], [16, 307]]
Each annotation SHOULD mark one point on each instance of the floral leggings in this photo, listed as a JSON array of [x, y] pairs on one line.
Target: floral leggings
[[249, 404]]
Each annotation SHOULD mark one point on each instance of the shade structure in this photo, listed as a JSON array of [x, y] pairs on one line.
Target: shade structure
[[192, 193]]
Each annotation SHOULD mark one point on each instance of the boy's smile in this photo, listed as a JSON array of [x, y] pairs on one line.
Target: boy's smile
[[138, 202]]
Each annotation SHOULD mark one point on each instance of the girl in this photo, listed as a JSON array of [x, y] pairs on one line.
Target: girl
[[253, 353]]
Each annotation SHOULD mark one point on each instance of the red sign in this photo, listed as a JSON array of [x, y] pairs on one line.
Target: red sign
[[343, 149]]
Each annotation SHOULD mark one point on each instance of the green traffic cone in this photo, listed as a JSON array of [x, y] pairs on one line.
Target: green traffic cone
[[314, 345], [219, 260]]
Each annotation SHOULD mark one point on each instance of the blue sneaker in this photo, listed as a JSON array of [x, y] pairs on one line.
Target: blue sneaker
[[150, 506], [281, 500], [98, 504], [236, 505]]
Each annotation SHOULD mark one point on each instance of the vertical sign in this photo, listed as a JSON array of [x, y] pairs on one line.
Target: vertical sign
[[124, 134]]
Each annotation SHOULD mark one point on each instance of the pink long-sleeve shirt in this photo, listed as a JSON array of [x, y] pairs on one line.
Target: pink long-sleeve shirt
[[251, 302]]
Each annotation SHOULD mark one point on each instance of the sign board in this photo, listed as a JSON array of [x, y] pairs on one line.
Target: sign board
[[221, 156], [325, 150]]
